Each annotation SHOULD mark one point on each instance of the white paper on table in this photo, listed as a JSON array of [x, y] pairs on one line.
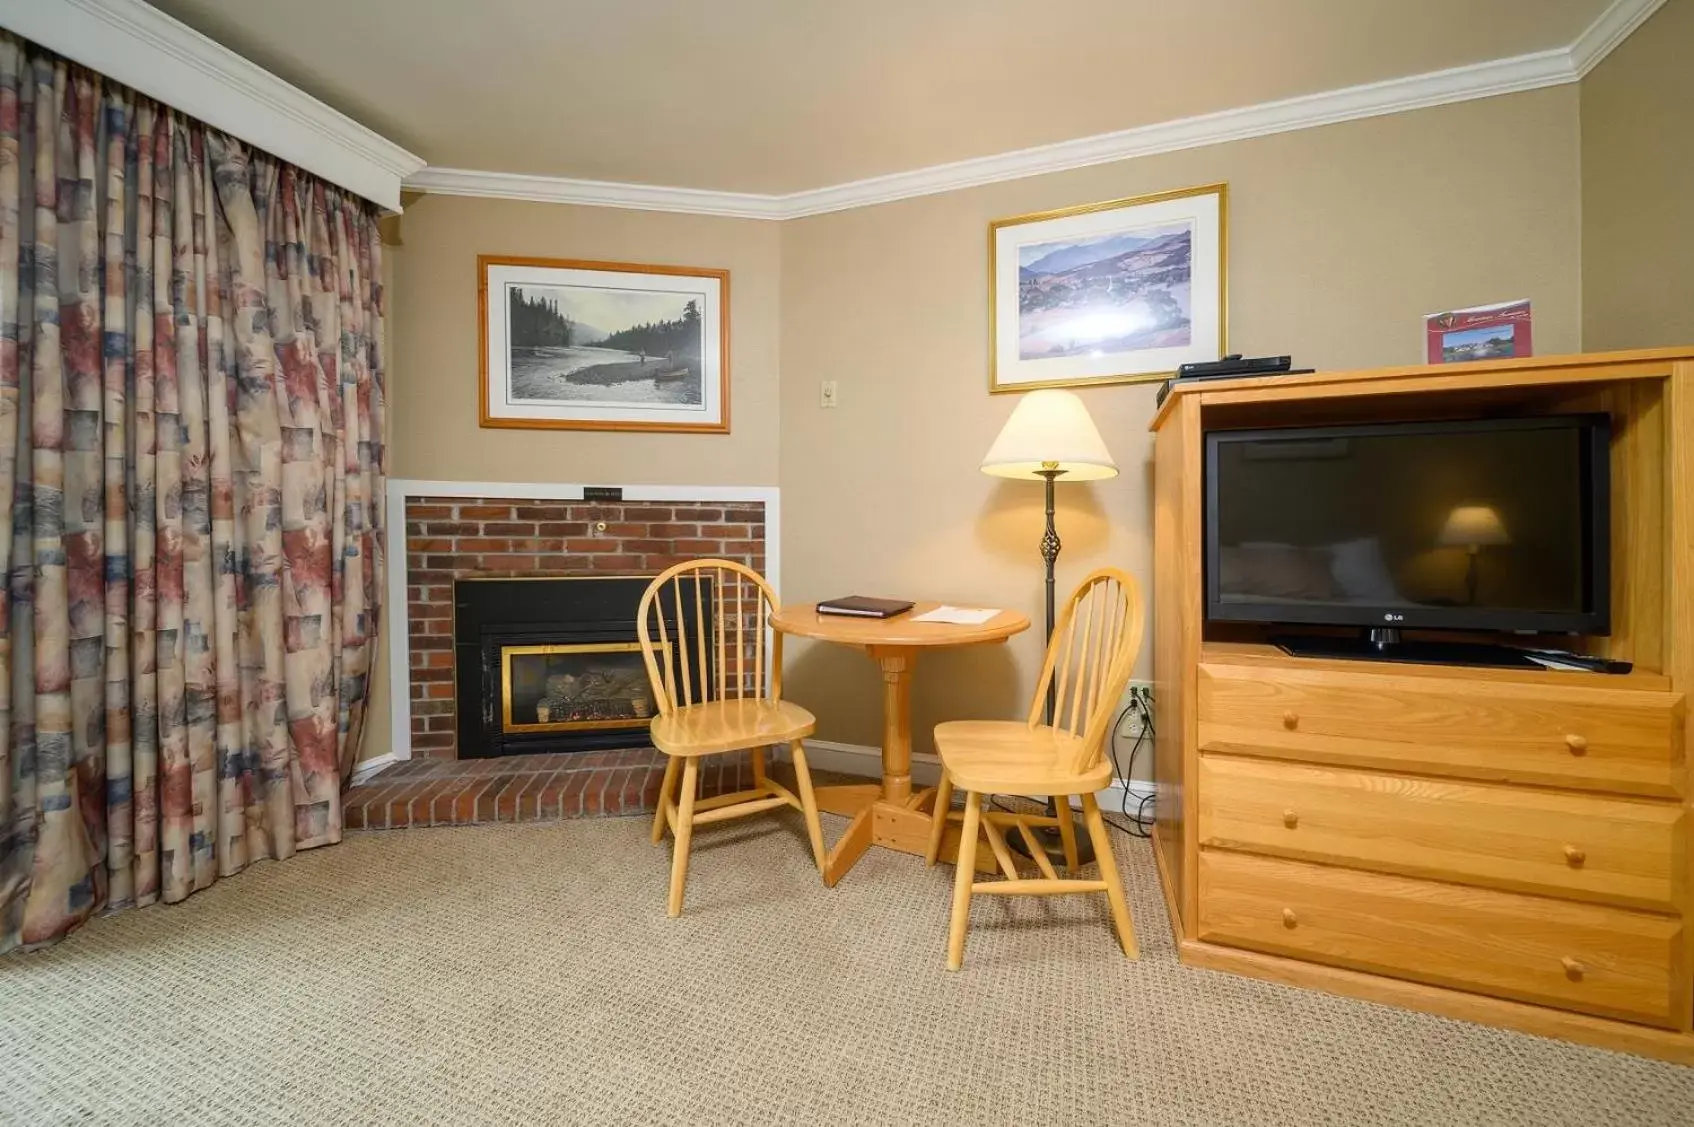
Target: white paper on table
[[957, 616]]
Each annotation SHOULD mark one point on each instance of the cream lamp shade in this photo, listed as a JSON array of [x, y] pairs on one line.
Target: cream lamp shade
[[1050, 430], [1473, 526]]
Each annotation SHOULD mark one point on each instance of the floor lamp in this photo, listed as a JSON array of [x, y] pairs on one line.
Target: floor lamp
[[1050, 436]]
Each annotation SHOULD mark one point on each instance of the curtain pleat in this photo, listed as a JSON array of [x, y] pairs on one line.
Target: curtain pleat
[[191, 413], [116, 265]]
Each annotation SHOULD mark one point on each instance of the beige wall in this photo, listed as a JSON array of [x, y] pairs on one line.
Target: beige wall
[[432, 392], [434, 431], [1638, 188], [1341, 239]]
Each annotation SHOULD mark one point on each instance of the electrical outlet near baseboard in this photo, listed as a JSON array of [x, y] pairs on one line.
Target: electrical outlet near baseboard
[[1139, 707], [1131, 749]]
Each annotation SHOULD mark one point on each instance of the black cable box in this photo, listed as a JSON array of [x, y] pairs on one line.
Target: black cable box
[[1231, 367], [1235, 365]]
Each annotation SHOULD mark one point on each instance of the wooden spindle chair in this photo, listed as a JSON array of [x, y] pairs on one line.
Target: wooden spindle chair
[[1089, 659], [718, 690]]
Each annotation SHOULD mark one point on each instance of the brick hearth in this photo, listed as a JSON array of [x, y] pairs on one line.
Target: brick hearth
[[525, 788]]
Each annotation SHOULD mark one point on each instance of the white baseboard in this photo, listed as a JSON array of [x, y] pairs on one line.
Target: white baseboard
[[1112, 800], [860, 759], [366, 768]]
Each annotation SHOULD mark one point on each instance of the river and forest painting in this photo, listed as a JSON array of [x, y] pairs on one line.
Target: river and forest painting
[[605, 346], [574, 344]]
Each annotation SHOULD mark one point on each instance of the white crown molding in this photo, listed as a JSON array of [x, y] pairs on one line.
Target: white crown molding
[[1461, 84], [1555, 67], [142, 47], [1617, 23], [594, 193], [1481, 80]]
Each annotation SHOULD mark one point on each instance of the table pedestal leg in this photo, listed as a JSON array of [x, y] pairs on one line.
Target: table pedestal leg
[[889, 817], [896, 724]]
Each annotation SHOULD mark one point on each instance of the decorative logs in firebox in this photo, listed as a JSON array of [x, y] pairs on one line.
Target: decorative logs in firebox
[[598, 694]]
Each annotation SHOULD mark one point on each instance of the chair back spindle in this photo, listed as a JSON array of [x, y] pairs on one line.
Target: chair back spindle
[[1089, 659], [702, 627]]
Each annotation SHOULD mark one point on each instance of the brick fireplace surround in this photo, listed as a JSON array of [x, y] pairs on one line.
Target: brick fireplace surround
[[492, 536]]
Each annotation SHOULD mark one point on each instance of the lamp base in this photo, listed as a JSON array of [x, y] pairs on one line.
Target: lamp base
[[1053, 845]]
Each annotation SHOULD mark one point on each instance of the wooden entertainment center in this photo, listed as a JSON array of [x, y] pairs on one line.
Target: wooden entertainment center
[[1507, 846]]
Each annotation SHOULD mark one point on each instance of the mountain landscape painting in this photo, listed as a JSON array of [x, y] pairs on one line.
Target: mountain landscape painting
[[1122, 291], [605, 346]]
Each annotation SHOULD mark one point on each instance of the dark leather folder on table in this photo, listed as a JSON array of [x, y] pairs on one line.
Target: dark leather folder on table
[[860, 606]]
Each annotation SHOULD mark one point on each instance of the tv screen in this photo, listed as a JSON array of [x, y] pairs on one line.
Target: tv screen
[[1498, 524]]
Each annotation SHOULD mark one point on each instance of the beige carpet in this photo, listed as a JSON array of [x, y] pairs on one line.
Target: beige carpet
[[528, 974]]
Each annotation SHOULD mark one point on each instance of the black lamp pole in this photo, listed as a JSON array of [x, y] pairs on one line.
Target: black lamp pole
[[1050, 546], [1051, 843]]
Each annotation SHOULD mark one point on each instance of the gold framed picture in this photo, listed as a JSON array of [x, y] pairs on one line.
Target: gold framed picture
[[577, 345], [1115, 292]]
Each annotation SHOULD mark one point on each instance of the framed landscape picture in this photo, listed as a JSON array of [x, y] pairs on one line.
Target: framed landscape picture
[[603, 345], [1116, 292]]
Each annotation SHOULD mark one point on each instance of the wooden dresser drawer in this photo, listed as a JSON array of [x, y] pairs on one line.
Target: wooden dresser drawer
[[1583, 957], [1627, 851], [1556, 733]]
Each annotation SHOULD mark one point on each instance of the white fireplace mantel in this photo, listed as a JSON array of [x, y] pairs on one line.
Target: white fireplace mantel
[[401, 490]]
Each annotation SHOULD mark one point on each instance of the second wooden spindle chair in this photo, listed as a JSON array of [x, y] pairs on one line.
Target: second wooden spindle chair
[[1089, 659], [716, 673]]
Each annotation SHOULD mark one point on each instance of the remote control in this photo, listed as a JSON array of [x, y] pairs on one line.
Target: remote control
[[1584, 661]]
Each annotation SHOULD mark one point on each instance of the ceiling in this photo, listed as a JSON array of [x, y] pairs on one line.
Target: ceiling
[[780, 96]]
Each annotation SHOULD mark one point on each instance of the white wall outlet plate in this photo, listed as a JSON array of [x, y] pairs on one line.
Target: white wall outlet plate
[[1138, 701], [827, 398], [1132, 741]]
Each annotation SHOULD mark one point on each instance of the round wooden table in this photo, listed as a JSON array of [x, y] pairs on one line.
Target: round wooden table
[[887, 813]]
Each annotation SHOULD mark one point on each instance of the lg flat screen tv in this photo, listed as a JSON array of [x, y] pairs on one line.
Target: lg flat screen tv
[[1486, 525]]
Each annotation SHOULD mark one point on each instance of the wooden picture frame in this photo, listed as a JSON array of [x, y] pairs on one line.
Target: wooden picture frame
[[575, 344], [1108, 293]]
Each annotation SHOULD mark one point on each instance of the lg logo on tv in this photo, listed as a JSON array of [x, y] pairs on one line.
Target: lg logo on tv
[[1393, 618]]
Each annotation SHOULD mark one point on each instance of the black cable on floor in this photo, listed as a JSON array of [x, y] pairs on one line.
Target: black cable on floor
[[1140, 822]]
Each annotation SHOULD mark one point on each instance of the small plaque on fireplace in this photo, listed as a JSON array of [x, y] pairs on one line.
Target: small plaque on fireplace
[[602, 493]]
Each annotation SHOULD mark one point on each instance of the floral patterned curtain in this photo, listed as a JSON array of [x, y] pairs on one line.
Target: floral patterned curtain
[[191, 400]]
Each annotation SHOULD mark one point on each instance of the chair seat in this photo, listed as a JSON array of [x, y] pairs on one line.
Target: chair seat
[[1010, 757], [730, 725]]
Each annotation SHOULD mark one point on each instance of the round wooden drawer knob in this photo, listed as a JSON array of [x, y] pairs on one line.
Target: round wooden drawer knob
[[1289, 919], [1575, 856], [1573, 969], [1290, 819], [1291, 720], [1576, 743]]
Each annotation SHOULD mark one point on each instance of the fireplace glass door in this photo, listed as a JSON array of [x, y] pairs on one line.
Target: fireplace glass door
[[565, 688]]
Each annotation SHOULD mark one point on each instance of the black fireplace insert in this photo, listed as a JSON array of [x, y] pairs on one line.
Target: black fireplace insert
[[554, 665]]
